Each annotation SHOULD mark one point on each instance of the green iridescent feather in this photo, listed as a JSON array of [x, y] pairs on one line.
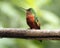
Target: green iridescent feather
[[35, 16]]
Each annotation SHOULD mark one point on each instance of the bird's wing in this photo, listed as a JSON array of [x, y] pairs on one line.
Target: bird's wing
[[36, 19], [37, 22]]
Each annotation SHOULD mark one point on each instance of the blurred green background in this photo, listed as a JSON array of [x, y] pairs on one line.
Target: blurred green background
[[13, 15]]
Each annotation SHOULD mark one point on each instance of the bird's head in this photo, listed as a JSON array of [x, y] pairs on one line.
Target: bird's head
[[30, 11]]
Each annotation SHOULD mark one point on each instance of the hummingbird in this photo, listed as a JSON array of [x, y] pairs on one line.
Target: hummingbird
[[31, 19]]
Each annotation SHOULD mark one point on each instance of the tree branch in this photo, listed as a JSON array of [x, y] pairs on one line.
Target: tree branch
[[30, 34]]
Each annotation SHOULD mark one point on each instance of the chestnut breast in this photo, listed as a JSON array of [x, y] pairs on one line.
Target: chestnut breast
[[31, 22]]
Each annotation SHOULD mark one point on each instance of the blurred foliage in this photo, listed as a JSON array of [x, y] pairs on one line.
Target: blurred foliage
[[13, 15]]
